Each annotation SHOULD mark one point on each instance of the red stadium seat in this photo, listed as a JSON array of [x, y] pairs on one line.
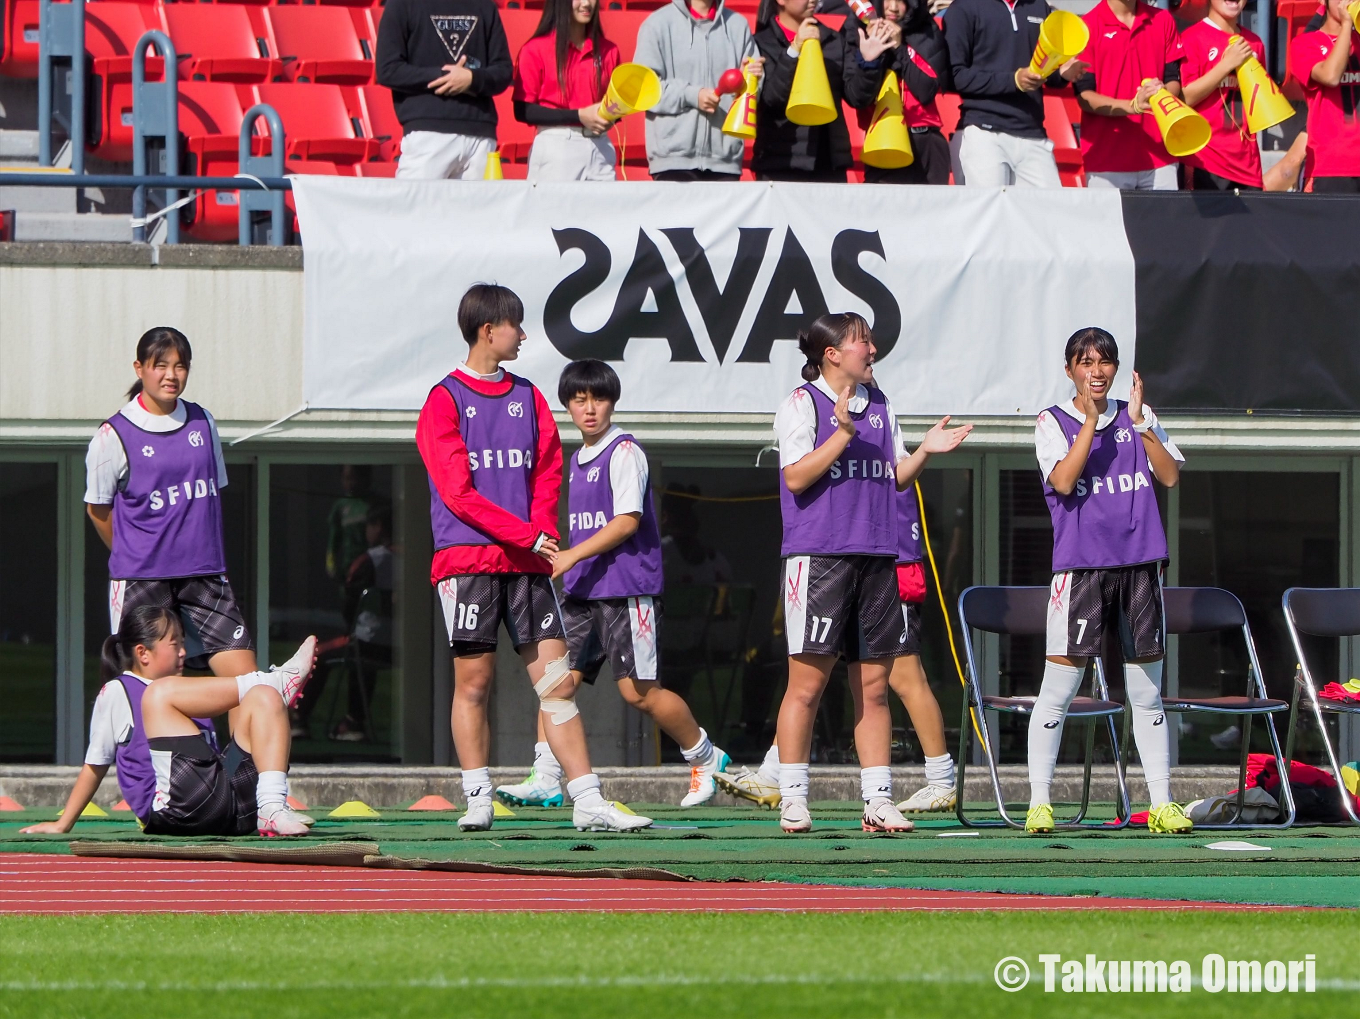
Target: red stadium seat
[[375, 169], [316, 122], [947, 103], [1296, 14], [519, 28], [111, 32], [210, 118], [621, 28], [513, 138], [217, 42], [374, 104], [320, 44], [19, 39]]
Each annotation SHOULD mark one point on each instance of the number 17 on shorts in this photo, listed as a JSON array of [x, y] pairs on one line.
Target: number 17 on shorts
[[814, 607]]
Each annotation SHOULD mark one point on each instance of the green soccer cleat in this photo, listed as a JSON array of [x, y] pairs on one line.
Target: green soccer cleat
[[1169, 819], [1039, 820]]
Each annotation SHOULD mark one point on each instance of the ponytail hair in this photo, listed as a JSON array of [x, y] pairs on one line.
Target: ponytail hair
[[144, 625], [827, 331], [153, 344]]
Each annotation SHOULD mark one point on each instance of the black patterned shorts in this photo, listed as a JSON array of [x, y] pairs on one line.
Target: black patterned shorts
[[206, 605], [475, 605], [210, 793], [1082, 604], [622, 631], [843, 605]]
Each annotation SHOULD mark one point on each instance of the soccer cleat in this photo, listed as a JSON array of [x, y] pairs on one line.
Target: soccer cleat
[[794, 817], [480, 813], [1169, 819], [702, 787], [883, 816], [534, 791], [928, 799], [281, 821], [1040, 818], [293, 674], [749, 785], [606, 817]]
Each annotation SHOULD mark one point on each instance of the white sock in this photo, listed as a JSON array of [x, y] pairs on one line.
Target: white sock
[[875, 783], [769, 768], [1143, 691], [585, 792], [271, 790], [1059, 686], [793, 781], [244, 684], [476, 784], [940, 770], [701, 752], [546, 764]]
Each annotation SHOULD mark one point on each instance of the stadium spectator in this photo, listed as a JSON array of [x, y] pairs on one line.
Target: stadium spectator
[[788, 151], [1287, 173], [689, 45], [1325, 61], [1001, 137], [1214, 49], [560, 77], [1134, 51], [444, 62]]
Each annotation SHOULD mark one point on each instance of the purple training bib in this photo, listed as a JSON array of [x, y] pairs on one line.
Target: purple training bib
[[630, 569], [136, 775], [1111, 517], [909, 549]]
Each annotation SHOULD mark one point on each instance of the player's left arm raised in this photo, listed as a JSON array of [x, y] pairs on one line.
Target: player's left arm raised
[[1164, 466], [940, 439]]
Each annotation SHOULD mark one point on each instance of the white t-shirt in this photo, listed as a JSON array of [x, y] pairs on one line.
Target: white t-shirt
[[110, 722], [106, 465], [1050, 442], [628, 471], [795, 423]]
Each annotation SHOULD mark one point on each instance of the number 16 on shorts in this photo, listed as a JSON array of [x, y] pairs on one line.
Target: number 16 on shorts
[[460, 616]]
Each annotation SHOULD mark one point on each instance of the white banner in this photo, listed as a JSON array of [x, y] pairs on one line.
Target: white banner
[[694, 291]]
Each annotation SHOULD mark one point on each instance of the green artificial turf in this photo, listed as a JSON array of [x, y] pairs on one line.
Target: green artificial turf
[[655, 965]]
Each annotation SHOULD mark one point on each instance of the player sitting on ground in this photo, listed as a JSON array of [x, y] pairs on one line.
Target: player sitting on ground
[[154, 722], [1098, 457], [612, 576]]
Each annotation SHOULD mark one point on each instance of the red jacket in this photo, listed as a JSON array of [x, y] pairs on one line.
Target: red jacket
[[446, 459]]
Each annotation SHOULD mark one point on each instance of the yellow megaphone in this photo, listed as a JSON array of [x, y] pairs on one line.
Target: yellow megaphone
[[1262, 101], [1354, 11], [810, 102], [632, 89], [493, 166], [887, 143], [741, 118], [1184, 132], [1062, 36]]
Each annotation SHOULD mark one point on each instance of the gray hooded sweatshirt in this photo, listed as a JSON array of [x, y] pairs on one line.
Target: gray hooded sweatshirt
[[688, 54]]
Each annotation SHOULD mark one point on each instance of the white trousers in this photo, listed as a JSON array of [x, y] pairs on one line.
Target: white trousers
[[568, 153], [991, 159], [432, 155], [1161, 179]]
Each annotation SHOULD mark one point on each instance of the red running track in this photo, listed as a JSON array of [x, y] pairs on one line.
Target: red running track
[[43, 883]]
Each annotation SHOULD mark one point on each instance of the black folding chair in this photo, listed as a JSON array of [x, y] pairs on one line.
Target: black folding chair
[[1322, 612], [1022, 611], [1211, 610]]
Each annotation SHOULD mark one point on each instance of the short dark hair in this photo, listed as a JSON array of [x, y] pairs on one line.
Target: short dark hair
[[590, 376], [488, 302], [1091, 338]]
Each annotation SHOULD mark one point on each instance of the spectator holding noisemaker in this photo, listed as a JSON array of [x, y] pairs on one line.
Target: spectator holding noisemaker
[[1325, 61], [560, 77], [1214, 49], [1002, 140], [689, 45], [788, 151], [1134, 51], [444, 61]]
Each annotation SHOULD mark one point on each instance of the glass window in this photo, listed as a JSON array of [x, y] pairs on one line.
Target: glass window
[[1255, 534], [334, 572], [28, 612]]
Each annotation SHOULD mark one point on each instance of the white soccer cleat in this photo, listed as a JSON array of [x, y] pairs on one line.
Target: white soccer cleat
[[794, 816], [882, 815], [606, 817], [749, 785], [480, 813], [281, 821], [293, 674], [929, 799], [534, 791], [702, 786]]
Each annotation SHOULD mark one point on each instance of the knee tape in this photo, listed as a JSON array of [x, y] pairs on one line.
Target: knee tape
[[559, 709]]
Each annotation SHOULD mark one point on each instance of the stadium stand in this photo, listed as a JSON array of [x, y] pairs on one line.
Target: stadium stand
[[112, 29], [219, 42], [318, 124], [322, 44]]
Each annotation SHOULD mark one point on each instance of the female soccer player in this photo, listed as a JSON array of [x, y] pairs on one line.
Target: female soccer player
[[154, 472], [1214, 49], [154, 723], [1098, 458], [842, 461], [560, 77]]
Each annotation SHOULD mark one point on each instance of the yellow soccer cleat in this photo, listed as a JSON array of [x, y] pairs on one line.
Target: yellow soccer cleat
[[1169, 819], [1039, 820], [749, 785]]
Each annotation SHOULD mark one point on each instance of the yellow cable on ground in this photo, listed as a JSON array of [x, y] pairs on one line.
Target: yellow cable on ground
[[944, 609]]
